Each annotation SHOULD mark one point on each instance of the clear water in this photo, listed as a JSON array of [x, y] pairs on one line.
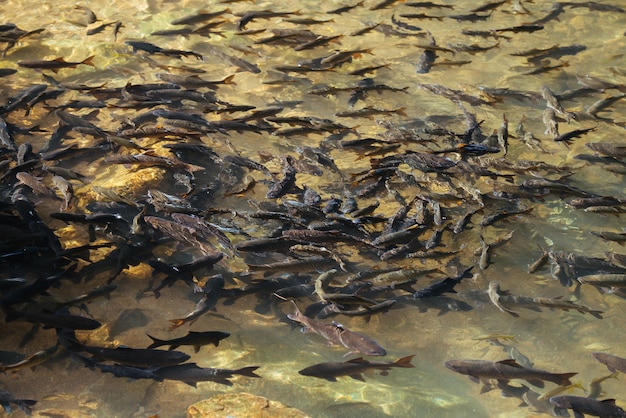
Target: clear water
[[554, 340]]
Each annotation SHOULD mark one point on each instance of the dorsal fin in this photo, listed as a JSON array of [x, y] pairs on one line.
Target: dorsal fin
[[511, 362]]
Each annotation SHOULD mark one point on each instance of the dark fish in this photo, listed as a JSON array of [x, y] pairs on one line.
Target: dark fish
[[447, 285], [613, 363], [568, 136], [581, 406], [54, 320], [147, 160], [191, 374], [345, 9], [140, 357], [7, 71], [33, 360], [55, 65], [198, 17], [154, 49], [337, 334], [353, 368], [505, 370], [120, 370], [6, 400], [195, 339]]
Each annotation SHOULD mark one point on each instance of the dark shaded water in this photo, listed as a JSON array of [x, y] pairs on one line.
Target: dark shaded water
[[584, 40]]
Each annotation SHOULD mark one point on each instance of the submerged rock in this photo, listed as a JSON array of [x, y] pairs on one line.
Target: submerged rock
[[241, 405]]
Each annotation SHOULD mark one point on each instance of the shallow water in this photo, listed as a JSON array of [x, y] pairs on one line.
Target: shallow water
[[554, 340]]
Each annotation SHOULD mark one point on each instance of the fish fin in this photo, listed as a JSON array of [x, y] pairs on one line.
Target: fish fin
[[511, 362], [565, 378], [60, 59], [359, 360], [536, 382], [596, 314], [155, 342], [406, 287], [247, 371], [88, 61], [357, 377], [229, 80], [331, 379], [486, 388], [194, 384], [608, 401], [176, 323], [474, 379], [578, 414], [404, 361], [173, 347], [196, 348]]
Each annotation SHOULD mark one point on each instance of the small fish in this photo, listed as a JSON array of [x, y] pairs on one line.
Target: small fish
[[370, 111], [66, 189], [494, 296], [345, 9], [353, 368], [56, 64], [195, 339]]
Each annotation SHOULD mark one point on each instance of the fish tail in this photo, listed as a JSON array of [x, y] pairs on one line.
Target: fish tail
[[229, 80], [296, 315], [562, 379], [176, 323], [596, 314], [404, 361], [155, 342], [247, 371], [88, 61]]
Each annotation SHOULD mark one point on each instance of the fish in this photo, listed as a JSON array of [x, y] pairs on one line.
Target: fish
[[191, 373], [66, 189], [139, 357], [505, 370], [6, 400], [581, 406], [568, 136], [7, 71], [193, 338], [613, 363], [35, 184], [338, 334], [370, 111], [198, 17], [154, 49], [211, 293], [345, 9], [494, 296], [53, 319], [33, 360], [595, 386], [353, 368], [445, 286], [56, 64]]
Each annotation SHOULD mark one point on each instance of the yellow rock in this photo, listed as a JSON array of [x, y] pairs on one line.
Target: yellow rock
[[241, 405]]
